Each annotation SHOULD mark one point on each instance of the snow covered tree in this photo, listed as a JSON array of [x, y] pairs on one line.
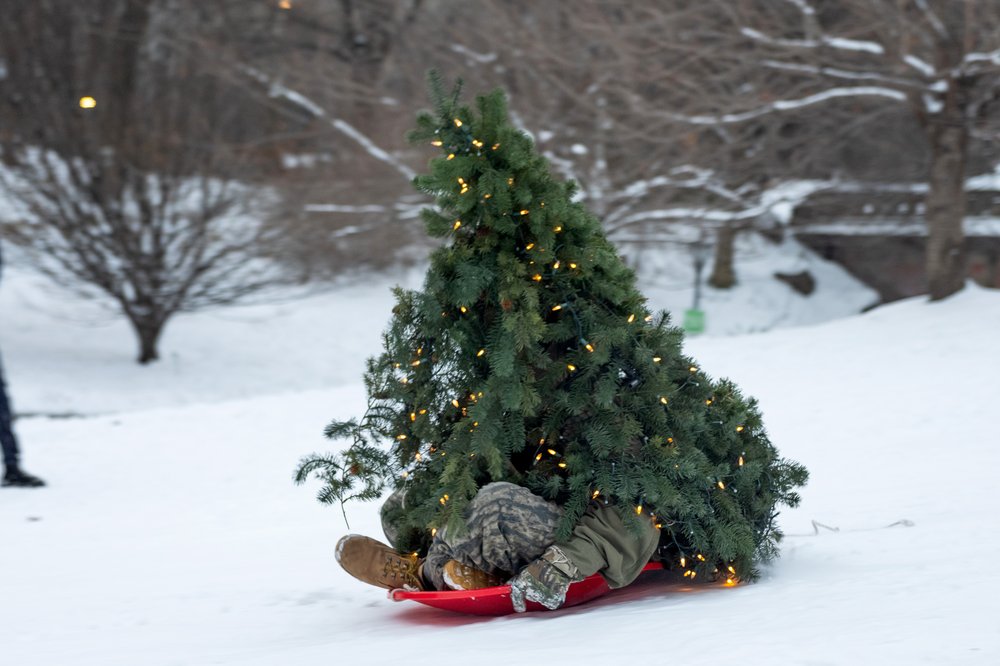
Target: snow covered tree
[[530, 356], [128, 165]]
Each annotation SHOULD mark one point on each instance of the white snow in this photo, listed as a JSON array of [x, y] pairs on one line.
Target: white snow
[[841, 43], [920, 65], [973, 225], [277, 90], [758, 302], [790, 104], [474, 56], [171, 533]]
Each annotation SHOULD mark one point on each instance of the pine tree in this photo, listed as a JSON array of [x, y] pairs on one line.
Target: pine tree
[[530, 356]]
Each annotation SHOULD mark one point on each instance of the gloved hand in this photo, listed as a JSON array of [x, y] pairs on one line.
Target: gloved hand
[[544, 581]]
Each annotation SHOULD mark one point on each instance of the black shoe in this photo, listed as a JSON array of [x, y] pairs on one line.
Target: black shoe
[[15, 478]]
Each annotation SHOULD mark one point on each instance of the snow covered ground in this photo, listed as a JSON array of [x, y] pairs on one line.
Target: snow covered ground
[[171, 533], [66, 356]]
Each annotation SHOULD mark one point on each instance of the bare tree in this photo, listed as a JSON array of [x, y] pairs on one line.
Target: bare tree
[[930, 64], [126, 160]]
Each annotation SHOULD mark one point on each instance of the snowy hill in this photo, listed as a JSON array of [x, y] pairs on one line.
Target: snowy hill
[[65, 356], [174, 535]]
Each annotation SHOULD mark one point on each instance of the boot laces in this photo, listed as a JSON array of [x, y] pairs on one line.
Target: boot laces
[[403, 568]]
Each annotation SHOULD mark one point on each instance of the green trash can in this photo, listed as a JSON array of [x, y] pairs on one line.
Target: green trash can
[[694, 321]]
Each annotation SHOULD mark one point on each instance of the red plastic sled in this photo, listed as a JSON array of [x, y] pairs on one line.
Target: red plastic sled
[[496, 600]]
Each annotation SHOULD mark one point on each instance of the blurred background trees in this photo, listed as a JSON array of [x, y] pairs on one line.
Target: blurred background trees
[[172, 154]]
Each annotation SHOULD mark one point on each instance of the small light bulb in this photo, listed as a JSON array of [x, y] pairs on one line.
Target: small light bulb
[[657, 359], [596, 493], [401, 437], [741, 461], [648, 318], [562, 464], [457, 224], [739, 428], [536, 277], [417, 456], [458, 123], [663, 400], [413, 416], [437, 142], [552, 452], [631, 318], [87, 102], [589, 347], [480, 352], [722, 486], [638, 510], [557, 229], [455, 402], [555, 266], [693, 368], [572, 265], [683, 562], [463, 309], [529, 246], [434, 531], [495, 146], [557, 308], [451, 156], [571, 367]]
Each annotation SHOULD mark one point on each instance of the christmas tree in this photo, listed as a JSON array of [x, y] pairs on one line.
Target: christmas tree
[[530, 356]]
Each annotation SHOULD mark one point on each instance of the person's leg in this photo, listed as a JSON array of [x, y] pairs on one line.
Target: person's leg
[[7, 440], [508, 527], [392, 504], [13, 475]]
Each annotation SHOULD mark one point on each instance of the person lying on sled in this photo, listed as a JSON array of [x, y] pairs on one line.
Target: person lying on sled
[[510, 537]]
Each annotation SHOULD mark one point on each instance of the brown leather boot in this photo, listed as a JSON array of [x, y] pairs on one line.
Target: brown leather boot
[[460, 576], [377, 564]]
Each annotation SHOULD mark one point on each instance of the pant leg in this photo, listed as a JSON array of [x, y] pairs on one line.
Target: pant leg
[[393, 503], [7, 440], [509, 526]]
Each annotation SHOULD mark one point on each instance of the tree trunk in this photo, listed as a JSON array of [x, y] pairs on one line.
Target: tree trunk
[[148, 334], [946, 206], [723, 274]]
